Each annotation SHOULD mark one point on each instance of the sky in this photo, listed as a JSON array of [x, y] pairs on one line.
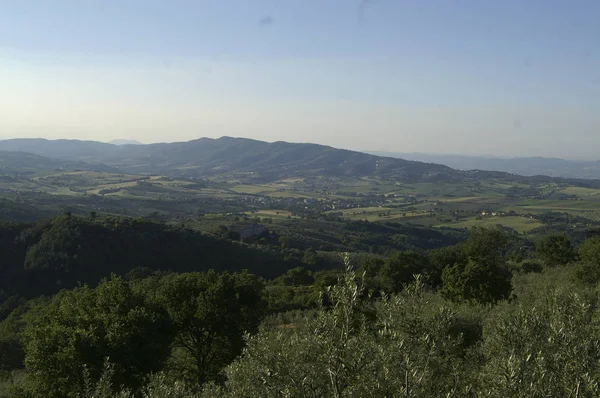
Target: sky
[[486, 77]]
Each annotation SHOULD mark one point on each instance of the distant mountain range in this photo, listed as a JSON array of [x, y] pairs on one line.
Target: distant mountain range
[[525, 166], [238, 158]]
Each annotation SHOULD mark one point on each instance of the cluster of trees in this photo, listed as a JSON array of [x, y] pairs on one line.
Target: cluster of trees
[[417, 344], [476, 270], [186, 325], [362, 236], [486, 316], [49, 255]]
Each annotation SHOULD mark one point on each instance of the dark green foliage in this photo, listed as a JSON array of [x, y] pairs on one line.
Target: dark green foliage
[[309, 257], [11, 347], [210, 313], [588, 269], [12, 353], [484, 277], [60, 253], [9, 304], [555, 250], [400, 268], [231, 235], [477, 282], [486, 245], [442, 258], [140, 273], [285, 242], [467, 331], [362, 236], [324, 279], [371, 270], [14, 211], [84, 327], [298, 276], [13, 241], [531, 266], [281, 298]]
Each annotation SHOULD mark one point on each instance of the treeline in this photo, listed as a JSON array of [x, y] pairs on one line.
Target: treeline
[[49, 255], [363, 236], [478, 270], [11, 210]]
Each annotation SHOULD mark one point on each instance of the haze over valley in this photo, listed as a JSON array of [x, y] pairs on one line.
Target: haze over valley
[[526, 166]]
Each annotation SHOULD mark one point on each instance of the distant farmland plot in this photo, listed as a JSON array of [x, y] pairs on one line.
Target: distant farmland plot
[[293, 194], [580, 191], [253, 189], [519, 224], [377, 213], [577, 207], [272, 213]]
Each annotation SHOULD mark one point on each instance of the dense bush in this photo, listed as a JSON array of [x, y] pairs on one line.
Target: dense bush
[[589, 261], [84, 327], [555, 250]]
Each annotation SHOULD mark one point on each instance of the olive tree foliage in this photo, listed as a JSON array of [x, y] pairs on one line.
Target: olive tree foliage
[[549, 349], [158, 386], [319, 359], [355, 348]]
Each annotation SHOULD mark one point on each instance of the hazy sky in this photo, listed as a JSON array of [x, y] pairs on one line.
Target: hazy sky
[[504, 77]]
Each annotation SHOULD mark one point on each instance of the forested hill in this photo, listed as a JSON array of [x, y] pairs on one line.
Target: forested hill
[[52, 254], [235, 156], [253, 161], [15, 162]]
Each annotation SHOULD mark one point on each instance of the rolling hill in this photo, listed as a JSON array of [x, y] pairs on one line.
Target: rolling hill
[[525, 166], [19, 162], [234, 157], [254, 161]]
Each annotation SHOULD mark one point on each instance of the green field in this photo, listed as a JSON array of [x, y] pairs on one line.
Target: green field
[[456, 205], [580, 191], [519, 224]]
